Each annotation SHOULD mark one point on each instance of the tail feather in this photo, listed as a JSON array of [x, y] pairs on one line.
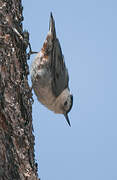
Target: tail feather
[[52, 25]]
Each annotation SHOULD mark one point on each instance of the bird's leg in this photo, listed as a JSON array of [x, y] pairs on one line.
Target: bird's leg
[[30, 51]]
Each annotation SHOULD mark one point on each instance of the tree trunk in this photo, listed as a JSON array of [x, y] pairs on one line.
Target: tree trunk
[[17, 161]]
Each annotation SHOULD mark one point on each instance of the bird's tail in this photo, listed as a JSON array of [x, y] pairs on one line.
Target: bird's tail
[[52, 29]]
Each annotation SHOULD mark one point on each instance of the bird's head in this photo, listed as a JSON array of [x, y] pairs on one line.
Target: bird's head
[[64, 104], [67, 105]]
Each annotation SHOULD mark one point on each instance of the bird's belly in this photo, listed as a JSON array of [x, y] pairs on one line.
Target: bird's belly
[[43, 92], [45, 97], [41, 80]]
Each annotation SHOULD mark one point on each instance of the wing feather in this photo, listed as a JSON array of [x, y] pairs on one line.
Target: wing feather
[[59, 71]]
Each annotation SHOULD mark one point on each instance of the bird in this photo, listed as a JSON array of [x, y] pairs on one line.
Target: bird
[[49, 75]]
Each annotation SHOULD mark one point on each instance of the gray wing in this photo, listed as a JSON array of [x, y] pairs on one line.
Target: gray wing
[[60, 76]]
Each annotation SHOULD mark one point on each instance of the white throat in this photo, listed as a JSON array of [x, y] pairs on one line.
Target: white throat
[[58, 102]]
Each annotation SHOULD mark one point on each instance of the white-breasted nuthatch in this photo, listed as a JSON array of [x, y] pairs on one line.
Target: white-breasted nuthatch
[[50, 77]]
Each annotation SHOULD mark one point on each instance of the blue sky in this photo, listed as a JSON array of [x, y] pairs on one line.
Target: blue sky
[[87, 31]]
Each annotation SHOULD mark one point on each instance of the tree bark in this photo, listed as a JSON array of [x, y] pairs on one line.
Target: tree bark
[[17, 160]]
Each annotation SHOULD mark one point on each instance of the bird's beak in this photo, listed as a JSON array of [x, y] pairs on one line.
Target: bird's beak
[[67, 119]]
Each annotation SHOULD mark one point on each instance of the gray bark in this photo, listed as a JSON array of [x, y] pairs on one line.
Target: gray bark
[[17, 160]]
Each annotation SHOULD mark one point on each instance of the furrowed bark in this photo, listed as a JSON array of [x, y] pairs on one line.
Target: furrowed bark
[[17, 160]]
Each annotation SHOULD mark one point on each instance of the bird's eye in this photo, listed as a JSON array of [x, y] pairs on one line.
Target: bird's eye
[[65, 103]]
